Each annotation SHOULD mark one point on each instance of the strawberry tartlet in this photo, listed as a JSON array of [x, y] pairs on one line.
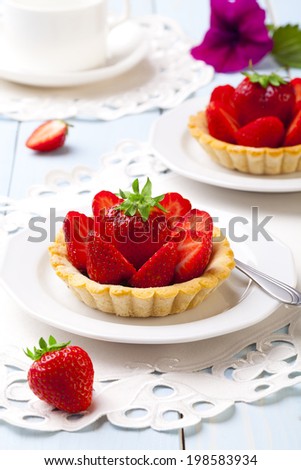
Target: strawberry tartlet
[[141, 256], [253, 128]]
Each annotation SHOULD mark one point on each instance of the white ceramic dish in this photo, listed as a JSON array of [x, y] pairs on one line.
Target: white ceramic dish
[[123, 55], [237, 304], [175, 146]]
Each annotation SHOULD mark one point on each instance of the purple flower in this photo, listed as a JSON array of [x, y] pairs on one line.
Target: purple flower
[[237, 35]]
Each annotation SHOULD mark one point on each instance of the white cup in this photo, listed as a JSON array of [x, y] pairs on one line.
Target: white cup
[[58, 35]]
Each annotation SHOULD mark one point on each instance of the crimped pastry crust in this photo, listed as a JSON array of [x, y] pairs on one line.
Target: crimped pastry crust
[[149, 302], [257, 161]]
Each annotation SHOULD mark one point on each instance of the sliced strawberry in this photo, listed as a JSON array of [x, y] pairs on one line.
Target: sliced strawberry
[[106, 265], [158, 271], [175, 205], [296, 82], [194, 245], [104, 200], [221, 124], [199, 222], [293, 135], [263, 132], [49, 136], [77, 228], [224, 95]]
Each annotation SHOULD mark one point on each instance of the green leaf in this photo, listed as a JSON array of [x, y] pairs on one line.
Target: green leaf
[[42, 343], [140, 203], [271, 28], [144, 211], [38, 353], [147, 188], [51, 340], [265, 80], [135, 186], [132, 210], [122, 194], [287, 45]]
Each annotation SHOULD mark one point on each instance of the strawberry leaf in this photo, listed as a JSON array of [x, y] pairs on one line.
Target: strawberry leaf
[[52, 346], [135, 186], [265, 80], [42, 343], [147, 188], [287, 45], [140, 203], [51, 340]]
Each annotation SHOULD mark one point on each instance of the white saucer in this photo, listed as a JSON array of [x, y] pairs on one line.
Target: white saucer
[[123, 55]]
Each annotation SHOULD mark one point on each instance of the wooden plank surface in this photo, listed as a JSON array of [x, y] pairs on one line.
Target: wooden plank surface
[[273, 423]]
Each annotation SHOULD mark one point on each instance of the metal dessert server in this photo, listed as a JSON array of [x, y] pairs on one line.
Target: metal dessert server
[[277, 289]]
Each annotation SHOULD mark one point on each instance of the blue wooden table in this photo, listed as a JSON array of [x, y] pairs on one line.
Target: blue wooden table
[[273, 423]]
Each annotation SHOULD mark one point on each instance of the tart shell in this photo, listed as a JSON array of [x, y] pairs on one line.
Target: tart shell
[[149, 302], [256, 161]]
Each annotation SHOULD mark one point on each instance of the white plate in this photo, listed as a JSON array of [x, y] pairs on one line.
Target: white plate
[[237, 304], [123, 55], [173, 143]]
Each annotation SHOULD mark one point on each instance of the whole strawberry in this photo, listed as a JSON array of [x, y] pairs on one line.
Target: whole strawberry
[[264, 95], [61, 375]]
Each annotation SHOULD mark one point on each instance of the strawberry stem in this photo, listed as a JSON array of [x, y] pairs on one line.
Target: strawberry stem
[[44, 348], [139, 202]]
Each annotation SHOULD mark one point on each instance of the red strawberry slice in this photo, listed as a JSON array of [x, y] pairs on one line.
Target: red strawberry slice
[[175, 204], [195, 247], [224, 95], [158, 271], [76, 229], [263, 132], [296, 82], [106, 265], [104, 200], [293, 135], [49, 136], [221, 124]]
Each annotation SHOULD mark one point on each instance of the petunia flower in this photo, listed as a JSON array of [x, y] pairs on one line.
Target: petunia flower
[[237, 35]]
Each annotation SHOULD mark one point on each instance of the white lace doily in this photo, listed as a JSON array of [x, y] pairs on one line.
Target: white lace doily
[[169, 387], [136, 386], [166, 78]]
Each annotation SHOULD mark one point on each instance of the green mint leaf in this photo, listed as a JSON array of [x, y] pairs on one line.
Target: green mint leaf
[[287, 45]]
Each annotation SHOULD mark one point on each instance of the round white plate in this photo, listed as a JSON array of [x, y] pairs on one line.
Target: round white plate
[[179, 151], [237, 304], [123, 54]]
